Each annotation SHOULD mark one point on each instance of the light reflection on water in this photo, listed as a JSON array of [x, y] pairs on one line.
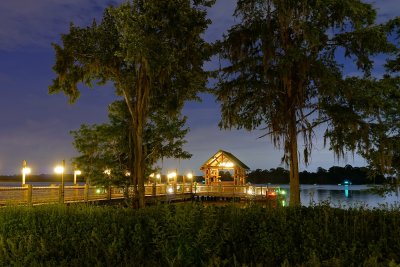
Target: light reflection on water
[[344, 196]]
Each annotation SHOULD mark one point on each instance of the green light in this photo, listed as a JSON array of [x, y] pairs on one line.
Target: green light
[[283, 192], [98, 190]]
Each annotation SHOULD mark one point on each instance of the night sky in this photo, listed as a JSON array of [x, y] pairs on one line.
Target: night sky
[[35, 126]]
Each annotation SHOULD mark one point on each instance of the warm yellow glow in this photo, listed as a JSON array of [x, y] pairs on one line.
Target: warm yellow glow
[[127, 174], [158, 176], [107, 171], [171, 175], [59, 169], [26, 170], [170, 190], [227, 164], [250, 191], [152, 175], [189, 175], [77, 172]]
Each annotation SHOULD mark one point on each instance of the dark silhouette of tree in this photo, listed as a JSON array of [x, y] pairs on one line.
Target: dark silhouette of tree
[[280, 71], [153, 53]]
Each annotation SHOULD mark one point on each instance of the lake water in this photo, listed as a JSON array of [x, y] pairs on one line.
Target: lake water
[[344, 196]]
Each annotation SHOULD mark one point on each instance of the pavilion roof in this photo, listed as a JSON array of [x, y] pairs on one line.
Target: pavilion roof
[[214, 160]]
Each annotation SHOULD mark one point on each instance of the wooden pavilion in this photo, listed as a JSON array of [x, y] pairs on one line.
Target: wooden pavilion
[[223, 160]]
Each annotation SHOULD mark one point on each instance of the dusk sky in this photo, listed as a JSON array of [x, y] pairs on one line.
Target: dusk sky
[[35, 126]]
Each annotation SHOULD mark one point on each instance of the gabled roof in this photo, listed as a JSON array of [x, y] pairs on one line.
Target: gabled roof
[[226, 155]]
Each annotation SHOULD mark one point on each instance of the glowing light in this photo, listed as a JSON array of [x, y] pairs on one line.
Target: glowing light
[[107, 171], [189, 175], [227, 164], [250, 191], [98, 191], [158, 176], [170, 190], [152, 175], [171, 175], [59, 169], [76, 172], [283, 192], [127, 174], [26, 170]]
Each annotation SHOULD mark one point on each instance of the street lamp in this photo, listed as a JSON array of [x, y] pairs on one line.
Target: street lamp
[[190, 177], [60, 170], [25, 170], [158, 177], [76, 172], [171, 175]]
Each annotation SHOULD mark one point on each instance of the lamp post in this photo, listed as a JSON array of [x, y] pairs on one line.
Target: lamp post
[[108, 173], [60, 170], [190, 177], [171, 175], [25, 171], [158, 177], [76, 172], [171, 189]]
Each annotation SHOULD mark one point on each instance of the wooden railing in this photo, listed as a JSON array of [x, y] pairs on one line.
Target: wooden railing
[[83, 193]]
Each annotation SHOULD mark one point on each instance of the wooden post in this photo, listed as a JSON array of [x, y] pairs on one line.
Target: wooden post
[[86, 193], [60, 194], [29, 198]]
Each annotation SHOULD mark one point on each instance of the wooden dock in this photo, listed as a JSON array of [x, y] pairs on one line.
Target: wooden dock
[[32, 195]]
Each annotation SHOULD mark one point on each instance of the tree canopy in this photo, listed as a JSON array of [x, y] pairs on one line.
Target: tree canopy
[[106, 146], [152, 51], [281, 72]]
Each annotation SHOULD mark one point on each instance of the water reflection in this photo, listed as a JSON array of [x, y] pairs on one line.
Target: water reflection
[[344, 196]]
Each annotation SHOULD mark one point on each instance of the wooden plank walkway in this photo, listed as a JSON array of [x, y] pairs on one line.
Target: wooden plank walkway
[[31, 195]]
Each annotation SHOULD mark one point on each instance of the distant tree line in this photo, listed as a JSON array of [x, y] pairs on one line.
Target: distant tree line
[[334, 175]]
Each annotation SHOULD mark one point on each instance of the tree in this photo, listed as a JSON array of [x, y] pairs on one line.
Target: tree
[[152, 51], [106, 146], [281, 68]]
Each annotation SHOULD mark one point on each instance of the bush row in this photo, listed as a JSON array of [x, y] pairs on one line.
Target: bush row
[[196, 235]]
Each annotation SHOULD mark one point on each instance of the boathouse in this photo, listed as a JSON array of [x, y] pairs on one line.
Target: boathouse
[[223, 160]]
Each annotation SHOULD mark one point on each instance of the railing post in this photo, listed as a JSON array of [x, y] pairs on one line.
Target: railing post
[[60, 194], [109, 193], [154, 190], [86, 193], [29, 199]]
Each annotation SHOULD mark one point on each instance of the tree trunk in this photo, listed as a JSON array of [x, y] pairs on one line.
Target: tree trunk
[[294, 162], [133, 177], [139, 166], [138, 106]]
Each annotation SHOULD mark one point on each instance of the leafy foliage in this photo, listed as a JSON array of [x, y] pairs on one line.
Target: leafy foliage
[[194, 235], [281, 72], [107, 146], [152, 51]]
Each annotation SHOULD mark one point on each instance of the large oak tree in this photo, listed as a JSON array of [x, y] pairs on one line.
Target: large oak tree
[[152, 51], [281, 70]]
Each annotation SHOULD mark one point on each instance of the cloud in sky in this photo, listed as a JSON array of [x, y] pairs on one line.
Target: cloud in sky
[[37, 23]]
